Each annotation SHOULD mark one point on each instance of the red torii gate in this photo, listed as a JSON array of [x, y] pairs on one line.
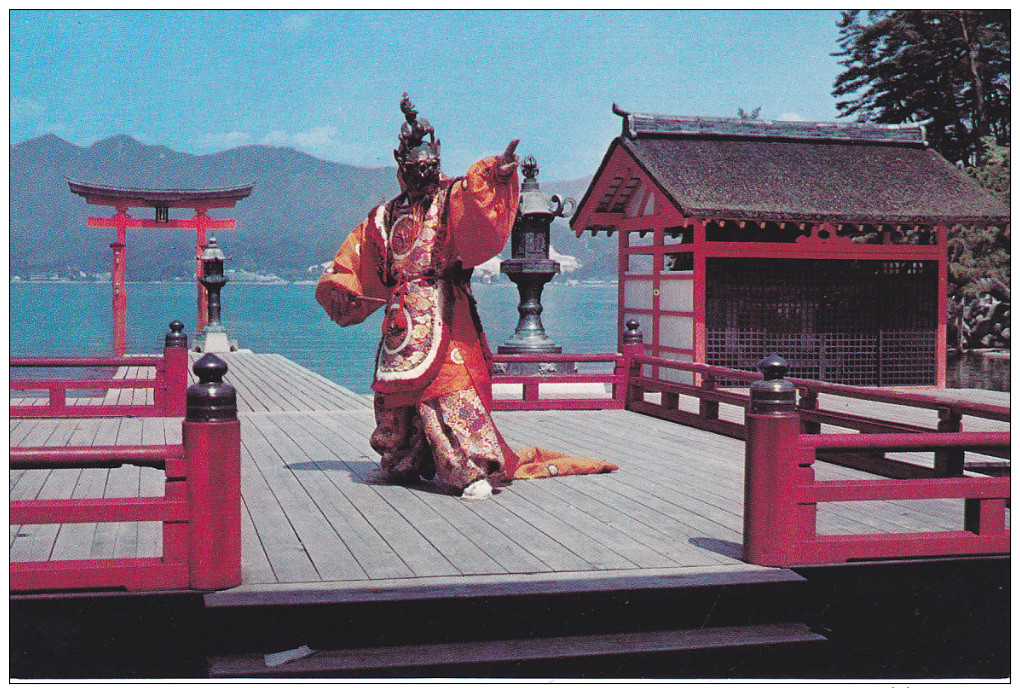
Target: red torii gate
[[199, 200]]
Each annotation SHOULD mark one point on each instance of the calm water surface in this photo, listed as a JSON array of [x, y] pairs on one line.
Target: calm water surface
[[65, 319], [75, 319]]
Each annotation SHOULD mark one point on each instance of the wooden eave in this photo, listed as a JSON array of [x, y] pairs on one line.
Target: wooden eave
[[598, 174]]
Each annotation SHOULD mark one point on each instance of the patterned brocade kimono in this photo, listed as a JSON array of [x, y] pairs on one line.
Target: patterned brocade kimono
[[432, 383]]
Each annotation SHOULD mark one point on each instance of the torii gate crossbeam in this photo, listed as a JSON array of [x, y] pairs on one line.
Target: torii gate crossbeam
[[121, 199]]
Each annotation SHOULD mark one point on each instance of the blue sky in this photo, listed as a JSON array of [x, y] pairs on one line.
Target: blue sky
[[329, 83]]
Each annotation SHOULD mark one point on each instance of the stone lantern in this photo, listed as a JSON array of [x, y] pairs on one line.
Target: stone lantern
[[214, 337], [530, 267]]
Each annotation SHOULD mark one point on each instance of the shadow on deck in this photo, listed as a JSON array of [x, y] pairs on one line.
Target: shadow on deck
[[631, 574]]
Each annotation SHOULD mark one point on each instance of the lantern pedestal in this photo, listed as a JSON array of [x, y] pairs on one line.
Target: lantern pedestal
[[530, 268], [214, 340], [531, 276], [214, 337]]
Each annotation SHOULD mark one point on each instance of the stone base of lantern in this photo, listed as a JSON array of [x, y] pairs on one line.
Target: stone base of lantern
[[549, 368], [533, 368], [214, 340]]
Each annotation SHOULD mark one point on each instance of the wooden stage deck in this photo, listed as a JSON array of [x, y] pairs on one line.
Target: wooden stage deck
[[318, 527]]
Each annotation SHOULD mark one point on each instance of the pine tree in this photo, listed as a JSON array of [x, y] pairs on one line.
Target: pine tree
[[978, 256], [979, 264], [946, 68]]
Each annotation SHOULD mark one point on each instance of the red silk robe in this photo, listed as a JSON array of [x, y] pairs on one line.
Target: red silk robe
[[413, 260], [431, 379], [431, 344]]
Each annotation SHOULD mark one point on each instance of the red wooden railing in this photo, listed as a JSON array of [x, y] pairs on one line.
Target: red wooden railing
[[630, 385], [781, 496], [531, 398], [168, 384], [169, 571], [199, 509], [619, 379], [949, 461]]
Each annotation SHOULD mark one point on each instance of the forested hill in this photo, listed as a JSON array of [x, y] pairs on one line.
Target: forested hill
[[299, 210]]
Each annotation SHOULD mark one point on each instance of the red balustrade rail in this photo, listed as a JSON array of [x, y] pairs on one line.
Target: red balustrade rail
[[533, 384], [200, 509], [168, 384], [949, 461], [169, 571], [707, 392], [781, 496]]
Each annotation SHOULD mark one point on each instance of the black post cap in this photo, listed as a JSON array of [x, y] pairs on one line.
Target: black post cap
[[176, 337], [211, 400], [774, 394], [633, 333], [773, 367]]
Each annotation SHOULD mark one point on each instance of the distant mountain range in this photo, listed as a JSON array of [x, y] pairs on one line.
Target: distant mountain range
[[296, 216]]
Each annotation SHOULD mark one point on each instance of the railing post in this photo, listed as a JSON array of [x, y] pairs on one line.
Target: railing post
[[212, 450], [529, 391], [809, 402], [773, 466], [709, 409], [175, 370], [949, 462], [633, 345], [984, 516], [57, 398]]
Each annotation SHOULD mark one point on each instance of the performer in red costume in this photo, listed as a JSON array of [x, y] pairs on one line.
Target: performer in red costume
[[414, 256]]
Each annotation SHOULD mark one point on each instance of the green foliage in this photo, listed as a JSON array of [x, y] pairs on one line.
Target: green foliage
[[948, 69], [980, 253], [976, 254], [993, 172]]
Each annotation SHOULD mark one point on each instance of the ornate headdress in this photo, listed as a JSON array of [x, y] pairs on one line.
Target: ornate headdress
[[412, 136]]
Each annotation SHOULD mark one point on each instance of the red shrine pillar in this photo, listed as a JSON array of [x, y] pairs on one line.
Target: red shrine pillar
[[201, 306], [200, 200], [118, 283]]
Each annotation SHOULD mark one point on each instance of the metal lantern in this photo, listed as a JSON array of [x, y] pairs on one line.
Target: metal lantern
[[530, 268], [214, 336]]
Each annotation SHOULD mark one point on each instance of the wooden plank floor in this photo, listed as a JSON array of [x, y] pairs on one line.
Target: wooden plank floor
[[317, 521]]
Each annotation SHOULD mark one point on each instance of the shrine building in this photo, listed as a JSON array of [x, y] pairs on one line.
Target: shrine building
[[823, 242]]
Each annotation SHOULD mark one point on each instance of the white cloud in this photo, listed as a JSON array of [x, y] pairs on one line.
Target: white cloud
[[567, 263], [232, 138], [489, 270], [30, 117], [790, 117], [26, 109], [217, 141], [277, 138], [323, 141], [322, 136], [297, 23]]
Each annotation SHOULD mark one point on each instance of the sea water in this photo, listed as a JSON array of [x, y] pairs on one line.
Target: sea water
[[75, 319]]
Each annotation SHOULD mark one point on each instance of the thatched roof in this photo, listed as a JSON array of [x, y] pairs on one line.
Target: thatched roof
[[804, 171]]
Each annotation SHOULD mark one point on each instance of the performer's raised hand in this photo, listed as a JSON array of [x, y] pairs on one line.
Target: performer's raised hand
[[507, 162]]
